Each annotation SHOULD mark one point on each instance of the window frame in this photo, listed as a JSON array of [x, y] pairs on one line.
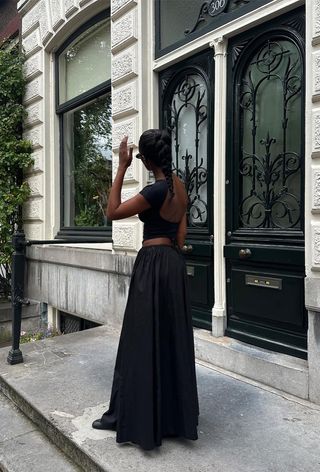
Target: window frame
[[98, 234]]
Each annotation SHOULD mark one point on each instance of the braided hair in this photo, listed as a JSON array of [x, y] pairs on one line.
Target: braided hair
[[155, 145]]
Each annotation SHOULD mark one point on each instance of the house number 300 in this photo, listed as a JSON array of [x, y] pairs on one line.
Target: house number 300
[[216, 6]]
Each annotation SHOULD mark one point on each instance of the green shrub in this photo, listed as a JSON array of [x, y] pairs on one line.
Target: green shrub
[[15, 152]]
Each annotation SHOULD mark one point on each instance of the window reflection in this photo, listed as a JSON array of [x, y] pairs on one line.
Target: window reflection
[[87, 163]]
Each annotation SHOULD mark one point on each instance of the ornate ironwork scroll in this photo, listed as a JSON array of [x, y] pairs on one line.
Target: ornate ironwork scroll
[[214, 8], [270, 172], [211, 8], [187, 121]]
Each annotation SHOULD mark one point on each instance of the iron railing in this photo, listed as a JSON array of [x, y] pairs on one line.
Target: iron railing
[[20, 243]]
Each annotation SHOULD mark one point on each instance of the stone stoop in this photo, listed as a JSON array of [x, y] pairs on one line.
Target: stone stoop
[[65, 383], [281, 371], [23, 448], [53, 433], [16, 383]]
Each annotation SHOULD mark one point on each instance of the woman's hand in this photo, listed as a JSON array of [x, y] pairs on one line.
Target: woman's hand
[[125, 157]]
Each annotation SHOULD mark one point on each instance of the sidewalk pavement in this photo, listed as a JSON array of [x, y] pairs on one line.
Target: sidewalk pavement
[[65, 383]]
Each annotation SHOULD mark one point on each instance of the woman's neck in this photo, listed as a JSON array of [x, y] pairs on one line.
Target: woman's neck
[[158, 174]]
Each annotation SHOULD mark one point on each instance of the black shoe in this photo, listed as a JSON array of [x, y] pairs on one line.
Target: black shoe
[[103, 424]]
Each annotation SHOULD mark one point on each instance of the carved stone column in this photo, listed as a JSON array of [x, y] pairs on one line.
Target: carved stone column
[[219, 310]]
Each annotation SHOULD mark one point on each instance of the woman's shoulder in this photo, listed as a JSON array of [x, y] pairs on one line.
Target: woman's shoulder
[[156, 186], [155, 192]]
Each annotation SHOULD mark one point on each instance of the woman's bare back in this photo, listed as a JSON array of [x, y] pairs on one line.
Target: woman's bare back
[[173, 209]]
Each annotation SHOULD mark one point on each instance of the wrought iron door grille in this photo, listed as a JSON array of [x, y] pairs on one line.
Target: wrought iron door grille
[[270, 161], [187, 122]]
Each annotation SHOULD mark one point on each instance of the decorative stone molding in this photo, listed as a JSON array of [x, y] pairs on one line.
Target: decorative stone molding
[[124, 31], [35, 115], [84, 2], [119, 7], [316, 247], [316, 74], [35, 136], [124, 65], [57, 13], [124, 100], [128, 193], [38, 162], [125, 235], [32, 43], [34, 66], [316, 134], [36, 185], [125, 128], [316, 17], [219, 46], [132, 174], [316, 190], [71, 6], [33, 230], [38, 15], [34, 90], [32, 209], [25, 5]]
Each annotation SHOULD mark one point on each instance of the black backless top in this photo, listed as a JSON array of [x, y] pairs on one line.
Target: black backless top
[[154, 225]]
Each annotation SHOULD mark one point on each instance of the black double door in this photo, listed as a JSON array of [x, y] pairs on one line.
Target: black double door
[[186, 104], [264, 248]]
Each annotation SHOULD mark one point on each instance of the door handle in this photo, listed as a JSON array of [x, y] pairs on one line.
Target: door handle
[[244, 253], [187, 248]]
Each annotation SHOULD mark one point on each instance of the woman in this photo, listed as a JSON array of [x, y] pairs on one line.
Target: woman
[[154, 391]]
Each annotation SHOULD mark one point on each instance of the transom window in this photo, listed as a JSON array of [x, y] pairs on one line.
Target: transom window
[[180, 21], [83, 103]]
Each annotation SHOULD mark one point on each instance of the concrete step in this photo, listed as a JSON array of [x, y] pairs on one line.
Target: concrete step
[[283, 372], [23, 448], [65, 383]]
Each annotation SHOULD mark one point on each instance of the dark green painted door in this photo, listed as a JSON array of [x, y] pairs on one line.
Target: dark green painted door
[[186, 104], [265, 186]]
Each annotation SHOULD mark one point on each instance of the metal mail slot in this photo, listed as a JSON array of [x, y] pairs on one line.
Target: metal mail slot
[[190, 271], [266, 282]]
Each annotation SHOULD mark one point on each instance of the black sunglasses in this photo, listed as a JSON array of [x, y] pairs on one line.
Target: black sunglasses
[[139, 155]]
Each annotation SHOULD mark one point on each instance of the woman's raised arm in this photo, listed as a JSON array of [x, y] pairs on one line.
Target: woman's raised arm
[[115, 209]]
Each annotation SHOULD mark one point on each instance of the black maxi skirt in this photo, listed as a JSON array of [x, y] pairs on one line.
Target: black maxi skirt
[[154, 391]]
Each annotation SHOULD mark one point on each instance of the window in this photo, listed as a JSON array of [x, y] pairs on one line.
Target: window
[[83, 103]]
